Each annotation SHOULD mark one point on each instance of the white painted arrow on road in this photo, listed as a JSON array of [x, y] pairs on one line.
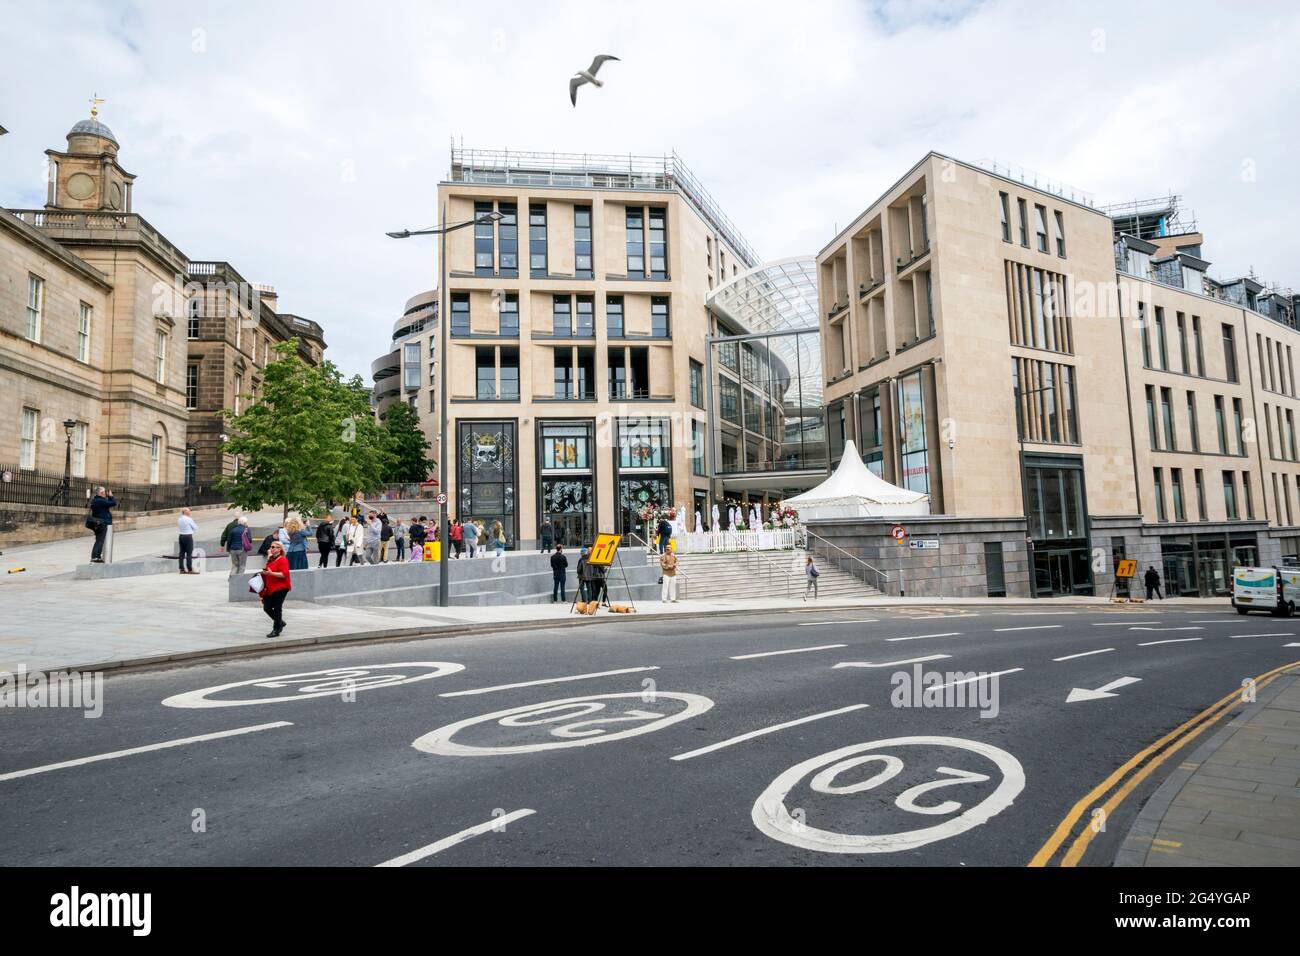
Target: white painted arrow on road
[[1082, 693]]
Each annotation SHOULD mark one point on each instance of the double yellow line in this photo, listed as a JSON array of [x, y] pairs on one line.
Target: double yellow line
[[1165, 747]]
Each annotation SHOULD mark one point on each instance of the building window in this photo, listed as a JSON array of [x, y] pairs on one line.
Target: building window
[[1167, 418], [1146, 335], [586, 327], [1040, 216], [1161, 344], [194, 311], [913, 441], [1200, 352], [658, 243], [629, 373], [1060, 233], [1191, 421], [1046, 402], [433, 400], [160, 357], [697, 384], [582, 257], [537, 261], [1176, 487], [1038, 308], [509, 316], [561, 316], [1221, 424], [239, 392], [729, 400], [155, 459], [1229, 353], [191, 386], [83, 332], [485, 473], [27, 440], [411, 365], [1230, 495], [80, 432], [1239, 424], [1024, 222], [642, 443], [659, 316], [1152, 429], [1200, 494], [484, 257], [614, 316], [575, 373], [1250, 502], [1182, 345], [191, 466], [1004, 209], [485, 373], [508, 238], [697, 448], [460, 313], [636, 241], [35, 306], [509, 373], [1160, 495]]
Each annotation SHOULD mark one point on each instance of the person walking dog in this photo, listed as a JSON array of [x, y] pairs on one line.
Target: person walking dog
[[559, 573], [100, 520], [186, 529], [276, 586]]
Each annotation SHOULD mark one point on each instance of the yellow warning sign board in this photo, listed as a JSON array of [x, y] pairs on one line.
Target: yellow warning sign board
[[1126, 569], [603, 551]]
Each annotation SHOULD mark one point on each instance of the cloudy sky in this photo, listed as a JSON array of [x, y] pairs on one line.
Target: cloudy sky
[[287, 137]]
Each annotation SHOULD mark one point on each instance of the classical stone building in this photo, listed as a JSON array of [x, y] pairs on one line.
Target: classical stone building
[[103, 324], [1064, 381]]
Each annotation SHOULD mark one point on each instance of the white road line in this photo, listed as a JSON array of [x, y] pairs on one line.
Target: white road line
[[448, 842], [1217, 620], [1041, 613], [1125, 623], [1290, 645], [548, 680], [793, 650], [1070, 657], [918, 637], [977, 677], [1032, 627], [766, 730], [181, 742], [1172, 640], [1273, 634], [910, 660], [1166, 628], [870, 620]]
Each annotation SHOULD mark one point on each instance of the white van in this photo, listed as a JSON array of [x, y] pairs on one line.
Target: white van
[[1276, 590]]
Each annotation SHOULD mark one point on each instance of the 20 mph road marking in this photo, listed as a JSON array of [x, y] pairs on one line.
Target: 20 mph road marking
[[918, 637], [447, 842], [547, 680], [1082, 693], [910, 660], [1070, 657], [766, 730], [181, 742], [793, 650]]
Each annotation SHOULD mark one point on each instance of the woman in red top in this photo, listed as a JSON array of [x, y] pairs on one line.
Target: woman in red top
[[277, 586]]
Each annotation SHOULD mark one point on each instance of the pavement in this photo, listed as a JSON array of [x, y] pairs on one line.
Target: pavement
[[761, 738]]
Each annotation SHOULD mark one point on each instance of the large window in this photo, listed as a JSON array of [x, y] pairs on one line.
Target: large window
[[729, 400], [636, 241], [1047, 402], [575, 373], [586, 322], [537, 258], [643, 443], [160, 356], [659, 316], [1054, 489], [460, 313], [192, 386], [1037, 308], [561, 316], [1230, 495], [1005, 212], [1229, 353], [1160, 495], [614, 316], [155, 459], [35, 306], [658, 243], [566, 495], [913, 443], [642, 462], [871, 439], [194, 311], [509, 317], [1040, 217], [484, 254], [411, 365], [1060, 234], [1024, 222], [1176, 486], [629, 373], [697, 384], [698, 433], [1199, 349], [83, 332], [485, 474], [508, 239], [509, 372], [239, 393], [80, 432], [27, 439], [582, 256], [485, 373]]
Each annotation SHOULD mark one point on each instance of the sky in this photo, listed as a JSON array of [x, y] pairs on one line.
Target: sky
[[287, 137]]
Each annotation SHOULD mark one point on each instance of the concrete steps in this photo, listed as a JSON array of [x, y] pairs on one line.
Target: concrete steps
[[742, 575]]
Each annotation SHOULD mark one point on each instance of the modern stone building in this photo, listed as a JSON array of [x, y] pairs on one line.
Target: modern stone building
[[578, 327], [408, 371], [1065, 383], [106, 325]]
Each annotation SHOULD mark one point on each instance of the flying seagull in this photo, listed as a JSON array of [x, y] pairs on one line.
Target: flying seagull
[[587, 76]]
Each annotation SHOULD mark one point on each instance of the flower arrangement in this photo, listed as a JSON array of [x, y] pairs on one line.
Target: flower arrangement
[[651, 514], [784, 516]]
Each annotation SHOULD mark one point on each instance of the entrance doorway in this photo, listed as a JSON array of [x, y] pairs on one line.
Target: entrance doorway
[[1059, 571], [571, 530]]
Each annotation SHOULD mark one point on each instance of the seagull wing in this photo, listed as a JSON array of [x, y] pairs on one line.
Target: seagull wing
[[595, 64], [574, 83]]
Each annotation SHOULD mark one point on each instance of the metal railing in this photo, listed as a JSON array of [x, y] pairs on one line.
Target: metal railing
[[49, 490], [839, 555]]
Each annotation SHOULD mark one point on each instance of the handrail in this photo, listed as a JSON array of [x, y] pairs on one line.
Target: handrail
[[683, 582], [751, 551], [882, 577]]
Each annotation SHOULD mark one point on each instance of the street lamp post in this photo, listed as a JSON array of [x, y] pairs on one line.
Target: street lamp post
[[68, 426], [441, 232]]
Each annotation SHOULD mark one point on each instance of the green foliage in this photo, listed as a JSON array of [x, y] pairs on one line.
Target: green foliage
[[407, 448], [310, 438]]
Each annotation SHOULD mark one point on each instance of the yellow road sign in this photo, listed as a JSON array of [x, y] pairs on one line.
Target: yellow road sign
[[1126, 569], [603, 551]]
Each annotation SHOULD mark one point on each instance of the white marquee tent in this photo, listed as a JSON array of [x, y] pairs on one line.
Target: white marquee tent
[[855, 491]]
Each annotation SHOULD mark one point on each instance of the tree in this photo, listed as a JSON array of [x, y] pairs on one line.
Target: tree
[[310, 438], [407, 448]]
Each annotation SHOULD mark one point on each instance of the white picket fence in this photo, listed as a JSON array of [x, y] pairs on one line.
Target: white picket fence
[[712, 542]]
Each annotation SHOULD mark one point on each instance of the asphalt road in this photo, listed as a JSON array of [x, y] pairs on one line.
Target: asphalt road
[[381, 773]]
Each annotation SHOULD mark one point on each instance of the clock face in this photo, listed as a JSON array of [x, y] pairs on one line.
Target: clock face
[[115, 196], [81, 186]]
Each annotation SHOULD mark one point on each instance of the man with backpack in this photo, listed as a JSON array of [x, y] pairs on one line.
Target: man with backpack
[[665, 531]]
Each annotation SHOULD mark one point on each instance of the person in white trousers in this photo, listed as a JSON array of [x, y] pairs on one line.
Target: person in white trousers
[[668, 565]]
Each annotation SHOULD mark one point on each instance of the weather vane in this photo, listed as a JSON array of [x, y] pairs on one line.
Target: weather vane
[[94, 105]]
